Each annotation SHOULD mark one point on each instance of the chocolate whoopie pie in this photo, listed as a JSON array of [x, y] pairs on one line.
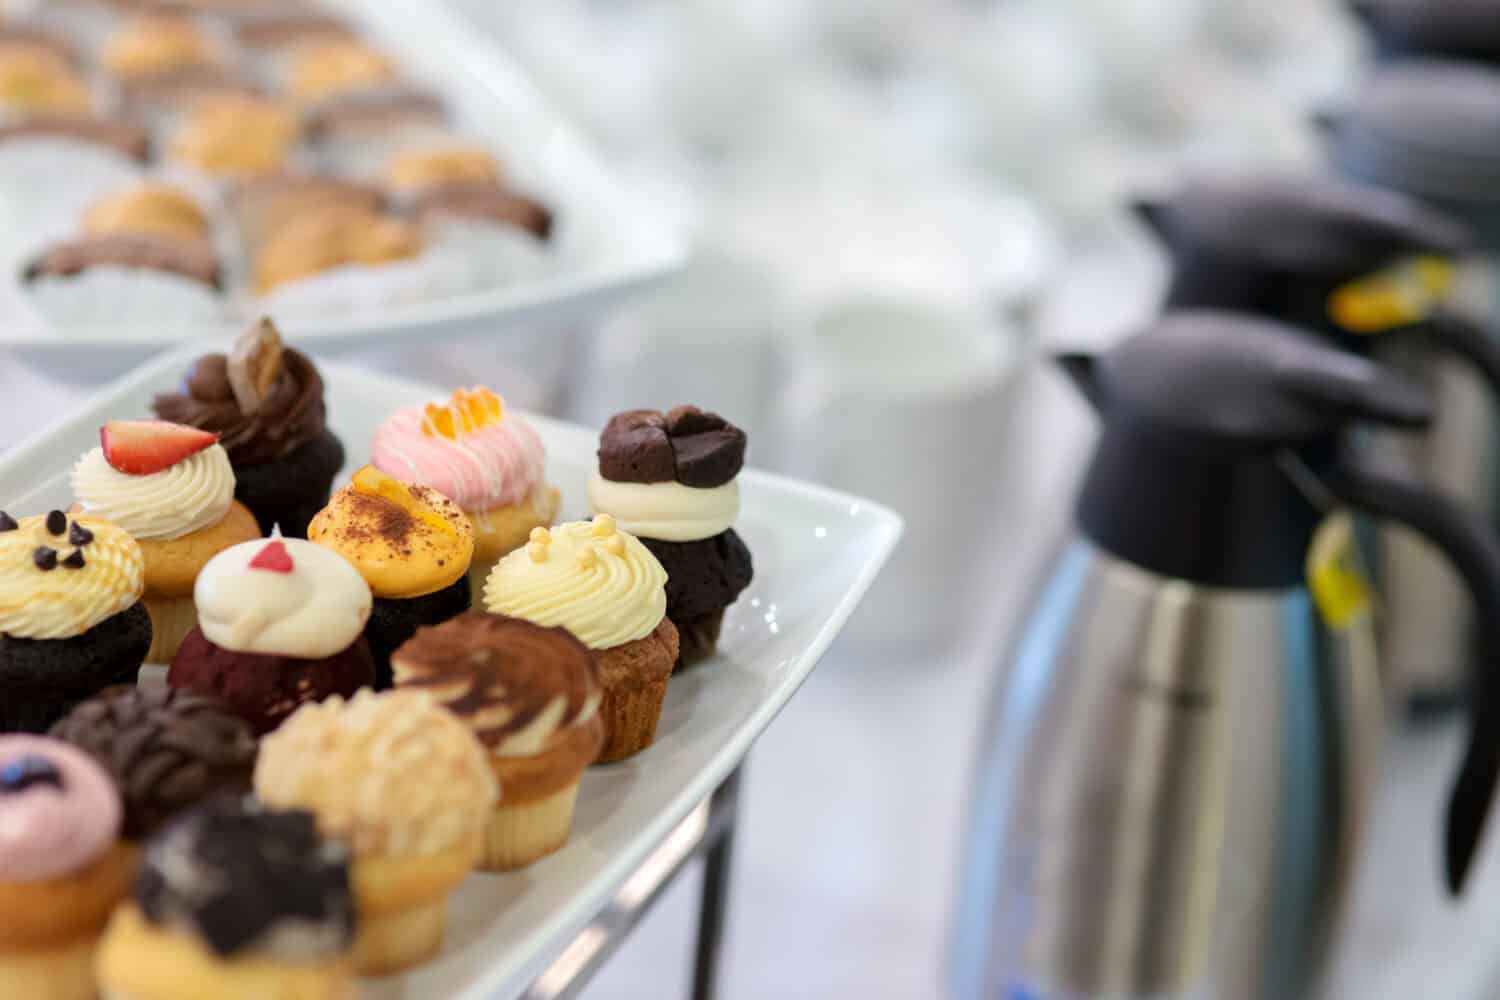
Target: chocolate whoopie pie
[[167, 750], [266, 404], [71, 621], [669, 479]]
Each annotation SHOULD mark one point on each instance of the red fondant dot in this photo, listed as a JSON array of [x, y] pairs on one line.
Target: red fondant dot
[[274, 557]]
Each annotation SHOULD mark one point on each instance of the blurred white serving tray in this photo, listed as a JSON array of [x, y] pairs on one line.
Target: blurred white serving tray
[[609, 242], [816, 552]]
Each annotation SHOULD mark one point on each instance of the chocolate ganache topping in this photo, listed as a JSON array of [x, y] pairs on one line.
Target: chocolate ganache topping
[[263, 401], [685, 445]]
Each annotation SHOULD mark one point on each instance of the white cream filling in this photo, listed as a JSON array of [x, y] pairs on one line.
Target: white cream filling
[[669, 512]]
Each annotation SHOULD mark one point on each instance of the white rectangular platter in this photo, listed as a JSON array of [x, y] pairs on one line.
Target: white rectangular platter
[[608, 243], [816, 552]]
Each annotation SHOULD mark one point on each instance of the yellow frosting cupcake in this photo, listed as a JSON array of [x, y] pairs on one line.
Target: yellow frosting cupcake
[[150, 209], [405, 540], [94, 572], [605, 587]]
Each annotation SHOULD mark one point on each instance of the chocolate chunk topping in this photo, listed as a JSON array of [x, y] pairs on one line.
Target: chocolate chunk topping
[[74, 561], [685, 445], [45, 558], [8, 523], [130, 141], [236, 874], [18, 775], [57, 522], [79, 535], [166, 749], [193, 259]]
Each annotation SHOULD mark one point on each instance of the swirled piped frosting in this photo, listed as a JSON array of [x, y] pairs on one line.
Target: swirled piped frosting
[[59, 811], [192, 495], [57, 584], [589, 577], [291, 414], [281, 597], [470, 449]]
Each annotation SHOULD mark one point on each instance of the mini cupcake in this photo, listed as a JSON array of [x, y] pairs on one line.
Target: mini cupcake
[[281, 624], [261, 206], [320, 72], [227, 138], [128, 279], [406, 785], [61, 868], [34, 79], [531, 695], [488, 461], [669, 479], [265, 402], [154, 45], [172, 488], [235, 901], [339, 260], [167, 751], [411, 544], [148, 210], [357, 133], [71, 618], [606, 588]]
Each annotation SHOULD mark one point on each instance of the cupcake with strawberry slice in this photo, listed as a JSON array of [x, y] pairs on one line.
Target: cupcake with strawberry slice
[[171, 487]]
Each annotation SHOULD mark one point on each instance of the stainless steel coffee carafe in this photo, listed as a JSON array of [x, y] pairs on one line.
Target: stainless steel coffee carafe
[[1175, 771], [1430, 129], [1372, 270]]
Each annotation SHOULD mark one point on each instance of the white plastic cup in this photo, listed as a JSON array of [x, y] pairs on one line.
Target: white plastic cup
[[905, 401]]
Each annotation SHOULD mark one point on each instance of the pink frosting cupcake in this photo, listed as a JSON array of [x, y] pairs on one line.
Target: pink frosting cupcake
[[62, 869], [489, 461]]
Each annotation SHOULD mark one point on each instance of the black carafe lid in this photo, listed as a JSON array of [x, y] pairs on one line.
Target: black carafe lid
[[1464, 29], [1430, 128], [1278, 245], [1201, 415]]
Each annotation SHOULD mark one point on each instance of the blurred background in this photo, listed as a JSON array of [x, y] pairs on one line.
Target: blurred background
[[896, 209]]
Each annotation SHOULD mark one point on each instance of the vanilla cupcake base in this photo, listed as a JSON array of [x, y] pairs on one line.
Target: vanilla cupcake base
[[65, 972], [403, 906], [172, 618], [501, 531], [521, 834]]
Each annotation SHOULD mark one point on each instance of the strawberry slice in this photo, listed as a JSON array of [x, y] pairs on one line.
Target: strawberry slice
[[141, 447]]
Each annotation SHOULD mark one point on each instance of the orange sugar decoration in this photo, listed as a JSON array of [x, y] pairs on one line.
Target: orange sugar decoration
[[467, 410], [372, 482]]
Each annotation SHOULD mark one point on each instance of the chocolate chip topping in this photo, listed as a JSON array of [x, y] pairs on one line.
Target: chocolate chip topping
[[27, 772], [685, 445], [478, 662], [484, 202], [57, 522], [166, 749], [130, 141], [75, 561], [79, 536], [246, 880], [8, 523], [45, 558], [193, 259]]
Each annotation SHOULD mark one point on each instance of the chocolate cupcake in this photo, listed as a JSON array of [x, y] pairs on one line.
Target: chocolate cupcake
[[235, 900], [167, 750], [71, 618], [669, 479], [266, 404], [281, 624], [413, 547]]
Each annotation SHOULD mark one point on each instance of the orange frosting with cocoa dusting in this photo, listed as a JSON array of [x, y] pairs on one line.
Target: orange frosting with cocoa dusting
[[405, 540]]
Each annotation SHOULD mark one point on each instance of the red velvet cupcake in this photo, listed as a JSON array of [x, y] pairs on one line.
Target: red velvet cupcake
[[281, 623]]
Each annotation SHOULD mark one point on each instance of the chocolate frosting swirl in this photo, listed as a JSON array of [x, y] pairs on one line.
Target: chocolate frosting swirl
[[292, 414], [167, 750], [499, 674]]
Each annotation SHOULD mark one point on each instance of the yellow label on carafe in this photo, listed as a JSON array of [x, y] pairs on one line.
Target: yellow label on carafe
[[1396, 296], [1335, 572]]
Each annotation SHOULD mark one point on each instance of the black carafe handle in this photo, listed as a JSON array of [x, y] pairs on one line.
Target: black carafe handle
[[1465, 338], [1471, 545]]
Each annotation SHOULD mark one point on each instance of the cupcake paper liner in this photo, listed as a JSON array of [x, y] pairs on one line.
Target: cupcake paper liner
[[630, 716], [521, 834], [121, 298], [365, 157], [46, 181], [357, 288], [475, 256]]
